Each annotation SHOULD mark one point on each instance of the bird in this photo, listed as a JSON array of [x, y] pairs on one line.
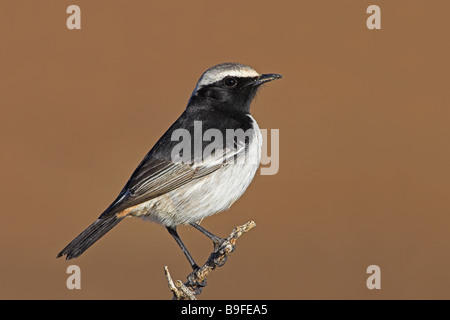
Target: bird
[[183, 181]]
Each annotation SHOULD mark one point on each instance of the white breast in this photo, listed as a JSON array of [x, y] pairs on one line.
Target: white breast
[[208, 195]]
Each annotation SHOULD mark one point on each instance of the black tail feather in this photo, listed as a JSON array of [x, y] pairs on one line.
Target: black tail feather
[[88, 237]]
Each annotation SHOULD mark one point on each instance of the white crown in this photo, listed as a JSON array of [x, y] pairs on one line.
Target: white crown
[[223, 70]]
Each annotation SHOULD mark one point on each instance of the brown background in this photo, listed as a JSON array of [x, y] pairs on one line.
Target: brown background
[[364, 145]]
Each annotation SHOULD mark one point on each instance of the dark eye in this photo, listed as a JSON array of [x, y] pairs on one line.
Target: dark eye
[[230, 82]]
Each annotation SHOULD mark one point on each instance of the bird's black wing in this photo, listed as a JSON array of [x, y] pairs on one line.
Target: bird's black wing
[[153, 178], [157, 174]]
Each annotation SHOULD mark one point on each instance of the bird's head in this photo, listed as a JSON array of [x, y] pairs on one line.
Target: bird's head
[[228, 86]]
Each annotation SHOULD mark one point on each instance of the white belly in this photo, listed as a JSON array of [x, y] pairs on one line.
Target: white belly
[[208, 195]]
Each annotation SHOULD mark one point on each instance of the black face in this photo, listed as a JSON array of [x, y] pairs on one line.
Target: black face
[[229, 95]]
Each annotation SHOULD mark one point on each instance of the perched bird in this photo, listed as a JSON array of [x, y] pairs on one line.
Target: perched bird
[[182, 182]]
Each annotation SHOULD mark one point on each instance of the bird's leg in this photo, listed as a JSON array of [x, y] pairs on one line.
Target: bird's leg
[[216, 240], [174, 233]]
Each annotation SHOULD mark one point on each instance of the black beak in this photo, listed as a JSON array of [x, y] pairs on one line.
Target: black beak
[[266, 78]]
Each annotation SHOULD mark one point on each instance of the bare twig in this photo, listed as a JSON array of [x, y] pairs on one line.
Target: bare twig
[[196, 280], [180, 291]]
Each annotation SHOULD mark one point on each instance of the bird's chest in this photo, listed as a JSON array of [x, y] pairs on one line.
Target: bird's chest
[[210, 194], [220, 189]]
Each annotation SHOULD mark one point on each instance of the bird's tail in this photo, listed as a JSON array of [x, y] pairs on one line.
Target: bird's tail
[[89, 236]]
